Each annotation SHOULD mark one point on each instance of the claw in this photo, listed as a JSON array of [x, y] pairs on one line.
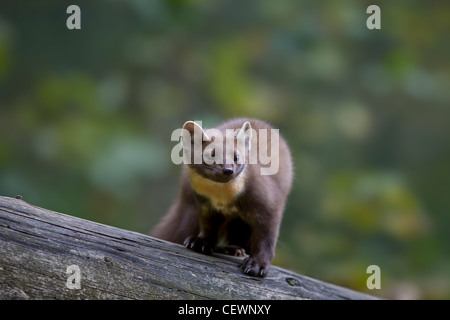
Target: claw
[[198, 244], [254, 268]]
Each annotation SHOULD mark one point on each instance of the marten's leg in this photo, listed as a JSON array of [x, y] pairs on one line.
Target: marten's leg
[[209, 226], [264, 234]]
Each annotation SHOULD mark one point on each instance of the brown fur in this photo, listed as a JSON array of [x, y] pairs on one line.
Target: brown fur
[[246, 211]]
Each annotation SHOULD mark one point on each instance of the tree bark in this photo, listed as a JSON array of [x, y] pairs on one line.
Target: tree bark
[[38, 248]]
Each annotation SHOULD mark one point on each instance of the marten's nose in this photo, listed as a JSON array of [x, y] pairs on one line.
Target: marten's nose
[[227, 171]]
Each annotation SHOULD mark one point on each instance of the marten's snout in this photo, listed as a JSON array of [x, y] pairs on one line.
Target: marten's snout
[[228, 171]]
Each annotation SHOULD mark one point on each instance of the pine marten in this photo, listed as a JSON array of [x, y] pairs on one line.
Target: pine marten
[[234, 206]]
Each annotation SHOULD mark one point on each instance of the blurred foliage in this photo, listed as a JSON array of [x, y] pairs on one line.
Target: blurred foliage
[[86, 118]]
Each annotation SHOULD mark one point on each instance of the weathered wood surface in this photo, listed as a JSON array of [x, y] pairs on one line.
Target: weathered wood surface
[[37, 246]]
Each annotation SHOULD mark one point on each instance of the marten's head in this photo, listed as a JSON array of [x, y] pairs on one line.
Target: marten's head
[[219, 155]]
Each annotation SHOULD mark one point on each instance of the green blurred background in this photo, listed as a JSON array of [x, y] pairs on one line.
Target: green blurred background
[[86, 117]]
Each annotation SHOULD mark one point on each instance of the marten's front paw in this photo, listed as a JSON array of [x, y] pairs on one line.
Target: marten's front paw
[[254, 267], [198, 244]]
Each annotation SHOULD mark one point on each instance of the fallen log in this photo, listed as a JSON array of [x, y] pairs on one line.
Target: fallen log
[[50, 255]]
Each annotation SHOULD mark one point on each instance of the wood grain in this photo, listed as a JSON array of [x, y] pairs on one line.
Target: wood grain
[[37, 246]]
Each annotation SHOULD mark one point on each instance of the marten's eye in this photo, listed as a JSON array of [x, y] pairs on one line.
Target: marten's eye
[[236, 158], [208, 156]]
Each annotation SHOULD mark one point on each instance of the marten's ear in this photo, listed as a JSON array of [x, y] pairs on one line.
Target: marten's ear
[[245, 134], [192, 129]]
